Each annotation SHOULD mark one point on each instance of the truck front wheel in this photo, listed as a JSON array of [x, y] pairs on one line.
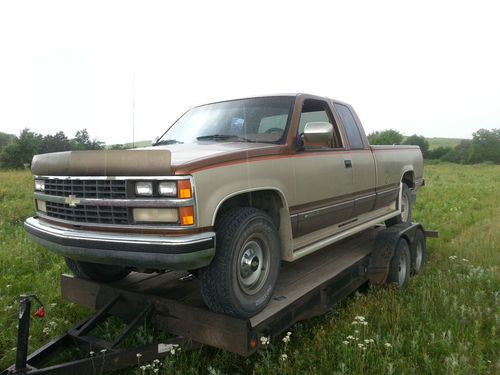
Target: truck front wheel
[[241, 278], [96, 272]]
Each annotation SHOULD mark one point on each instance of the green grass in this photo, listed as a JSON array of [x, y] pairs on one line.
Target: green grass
[[446, 322], [443, 142]]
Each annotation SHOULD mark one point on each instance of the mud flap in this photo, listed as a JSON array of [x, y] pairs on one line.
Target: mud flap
[[384, 247]]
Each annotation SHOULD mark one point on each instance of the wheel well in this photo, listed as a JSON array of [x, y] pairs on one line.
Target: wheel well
[[268, 201], [409, 179]]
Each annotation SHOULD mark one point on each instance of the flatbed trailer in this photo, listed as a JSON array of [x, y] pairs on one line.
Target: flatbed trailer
[[172, 302]]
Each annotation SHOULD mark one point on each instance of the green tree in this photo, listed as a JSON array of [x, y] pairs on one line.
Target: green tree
[[55, 143], [418, 140], [439, 152], [6, 139], [385, 137], [82, 141], [20, 153], [485, 146]]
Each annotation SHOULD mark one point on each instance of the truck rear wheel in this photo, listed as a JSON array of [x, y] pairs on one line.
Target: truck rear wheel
[[418, 252], [406, 208], [96, 272], [400, 267], [241, 278]]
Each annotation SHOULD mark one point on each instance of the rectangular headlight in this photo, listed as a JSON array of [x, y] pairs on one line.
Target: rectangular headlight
[[144, 188], [40, 185], [168, 188], [164, 215]]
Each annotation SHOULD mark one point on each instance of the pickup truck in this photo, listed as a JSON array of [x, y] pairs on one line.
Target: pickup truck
[[228, 192]]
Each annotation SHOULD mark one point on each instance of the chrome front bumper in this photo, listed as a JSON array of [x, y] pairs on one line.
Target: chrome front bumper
[[133, 250]]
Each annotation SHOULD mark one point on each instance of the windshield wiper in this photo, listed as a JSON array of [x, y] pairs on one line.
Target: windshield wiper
[[223, 137], [167, 142]]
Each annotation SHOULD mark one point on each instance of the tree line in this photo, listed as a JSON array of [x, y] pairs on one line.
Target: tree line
[[17, 152], [483, 147]]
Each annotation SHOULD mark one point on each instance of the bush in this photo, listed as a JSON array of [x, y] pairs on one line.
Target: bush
[[418, 140], [385, 137]]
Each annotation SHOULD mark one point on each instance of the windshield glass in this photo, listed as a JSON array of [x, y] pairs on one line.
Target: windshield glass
[[245, 120]]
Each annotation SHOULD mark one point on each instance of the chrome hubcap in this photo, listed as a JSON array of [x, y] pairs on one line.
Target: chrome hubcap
[[253, 266]]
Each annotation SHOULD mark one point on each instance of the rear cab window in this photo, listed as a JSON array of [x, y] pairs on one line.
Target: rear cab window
[[350, 126]]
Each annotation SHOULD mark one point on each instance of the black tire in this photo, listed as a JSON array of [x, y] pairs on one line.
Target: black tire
[[407, 204], [96, 272], [400, 267], [418, 252], [248, 248]]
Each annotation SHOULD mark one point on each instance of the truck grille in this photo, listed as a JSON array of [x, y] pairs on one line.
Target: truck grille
[[88, 214], [109, 189]]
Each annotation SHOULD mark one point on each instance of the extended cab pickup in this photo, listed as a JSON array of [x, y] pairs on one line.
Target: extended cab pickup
[[228, 192]]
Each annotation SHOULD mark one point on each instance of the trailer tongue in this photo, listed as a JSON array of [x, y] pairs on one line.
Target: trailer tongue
[[172, 302]]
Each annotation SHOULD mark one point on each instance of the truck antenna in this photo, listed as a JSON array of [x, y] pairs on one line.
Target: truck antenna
[[133, 110]]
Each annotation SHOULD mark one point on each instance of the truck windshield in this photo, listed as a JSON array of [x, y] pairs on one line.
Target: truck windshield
[[246, 120]]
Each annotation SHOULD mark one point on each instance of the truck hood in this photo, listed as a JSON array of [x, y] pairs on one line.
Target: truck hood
[[147, 161]]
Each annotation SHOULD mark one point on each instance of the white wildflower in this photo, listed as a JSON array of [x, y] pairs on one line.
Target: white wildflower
[[46, 330], [388, 345], [91, 353], [286, 339], [104, 350], [8, 285], [452, 257], [350, 337], [53, 304], [345, 342], [265, 340], [284, 357], [143, 368], [138, 355], [360, 346], [156, 361], [359, 318], [355, 322]]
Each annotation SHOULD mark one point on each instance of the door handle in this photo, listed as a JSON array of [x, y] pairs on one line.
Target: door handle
[[348, 163]]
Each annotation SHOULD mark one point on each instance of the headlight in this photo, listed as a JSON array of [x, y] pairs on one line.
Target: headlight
[[40, 185], [144, 188], [168, 188]]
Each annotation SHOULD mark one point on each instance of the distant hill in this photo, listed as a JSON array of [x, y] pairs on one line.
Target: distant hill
[[129, 145], [443, 142]]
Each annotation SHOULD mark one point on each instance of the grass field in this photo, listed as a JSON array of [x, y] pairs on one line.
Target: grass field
[[443, 142], [446, 322]]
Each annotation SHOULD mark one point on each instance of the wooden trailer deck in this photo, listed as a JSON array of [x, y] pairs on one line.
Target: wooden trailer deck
[[302, 291]]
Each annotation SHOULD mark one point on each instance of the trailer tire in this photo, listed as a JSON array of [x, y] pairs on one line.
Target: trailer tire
[[400, 266], [406, 207], [241, 278], [96, 272], [418, 252]]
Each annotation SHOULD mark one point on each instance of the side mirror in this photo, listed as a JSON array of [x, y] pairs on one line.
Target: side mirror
[[318, 132]]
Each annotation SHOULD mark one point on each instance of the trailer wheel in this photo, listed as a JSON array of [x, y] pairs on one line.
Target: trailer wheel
[[96, 272], [418, 252], [241, 278], [400, 267], [406, 208]]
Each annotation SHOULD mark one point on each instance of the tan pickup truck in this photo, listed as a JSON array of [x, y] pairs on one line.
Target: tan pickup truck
[[229, 191]]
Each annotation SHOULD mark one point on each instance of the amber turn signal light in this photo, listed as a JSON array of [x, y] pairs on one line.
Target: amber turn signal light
[[184, 189], [186, 215]]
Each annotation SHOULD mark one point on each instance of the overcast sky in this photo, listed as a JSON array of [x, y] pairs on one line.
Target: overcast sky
[[431, 68]]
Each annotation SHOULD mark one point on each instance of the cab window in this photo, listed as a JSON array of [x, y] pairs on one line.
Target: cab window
[[318, 111]]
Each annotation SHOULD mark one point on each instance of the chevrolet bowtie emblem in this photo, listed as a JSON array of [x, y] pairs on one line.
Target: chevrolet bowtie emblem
[[72, 200]]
